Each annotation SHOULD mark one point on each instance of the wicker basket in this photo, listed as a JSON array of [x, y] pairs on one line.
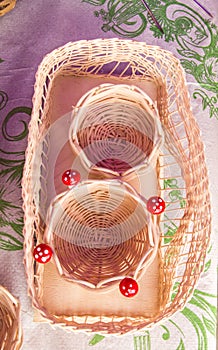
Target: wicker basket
[[6, 6], [101, 232], [180, 256], [10, 328], [116, 129]]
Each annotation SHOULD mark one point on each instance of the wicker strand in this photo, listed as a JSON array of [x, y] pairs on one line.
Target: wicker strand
[[6, 6]]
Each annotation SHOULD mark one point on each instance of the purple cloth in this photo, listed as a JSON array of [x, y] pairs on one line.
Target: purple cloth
[[30, 31]]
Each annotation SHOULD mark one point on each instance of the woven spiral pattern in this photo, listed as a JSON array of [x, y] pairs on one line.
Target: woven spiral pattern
[[6, 6], [100, 232], [10, 329], [182, 256], [115, 127]]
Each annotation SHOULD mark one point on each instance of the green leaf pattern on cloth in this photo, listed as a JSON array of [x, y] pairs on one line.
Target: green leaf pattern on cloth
[[11, 163], [181, 345], [142, 342], [195, 37], [96, 339]]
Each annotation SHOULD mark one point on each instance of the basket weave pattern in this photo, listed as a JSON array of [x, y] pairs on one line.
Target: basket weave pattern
[[183, 258], [116, 128], [100, 232], [10, 329]]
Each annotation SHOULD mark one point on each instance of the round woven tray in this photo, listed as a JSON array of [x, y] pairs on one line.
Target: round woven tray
[[116, 129], [101, 232], [10, 328]]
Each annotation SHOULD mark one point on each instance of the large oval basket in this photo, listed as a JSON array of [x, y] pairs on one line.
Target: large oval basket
[[180, 172]]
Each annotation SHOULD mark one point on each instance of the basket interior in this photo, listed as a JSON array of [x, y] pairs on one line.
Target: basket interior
[[63, 290], [180, 178], [113, 129], [99, 233]]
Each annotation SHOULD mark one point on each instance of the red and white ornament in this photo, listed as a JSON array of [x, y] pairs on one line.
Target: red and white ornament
[[156, 205], [129, 287], [42, 253], [71, 177]]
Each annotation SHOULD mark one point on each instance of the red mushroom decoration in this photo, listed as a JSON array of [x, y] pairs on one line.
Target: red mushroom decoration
[[42, 253], [71, 177], [156, 205], [129, 287]]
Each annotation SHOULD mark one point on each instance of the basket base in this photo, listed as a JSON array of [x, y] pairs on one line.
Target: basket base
[[61, 297]]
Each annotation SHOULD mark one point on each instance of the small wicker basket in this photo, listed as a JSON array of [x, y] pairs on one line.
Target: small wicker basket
[[116, 129], [10, 327], [80, 66], [101, 232]]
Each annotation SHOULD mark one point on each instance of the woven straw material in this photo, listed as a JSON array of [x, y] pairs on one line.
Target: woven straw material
[[10, 328], [100, 232], [182, 256], [6, 6], [116, 128]]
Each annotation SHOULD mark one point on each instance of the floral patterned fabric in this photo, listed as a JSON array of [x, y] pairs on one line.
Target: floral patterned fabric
[[30, 31]]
